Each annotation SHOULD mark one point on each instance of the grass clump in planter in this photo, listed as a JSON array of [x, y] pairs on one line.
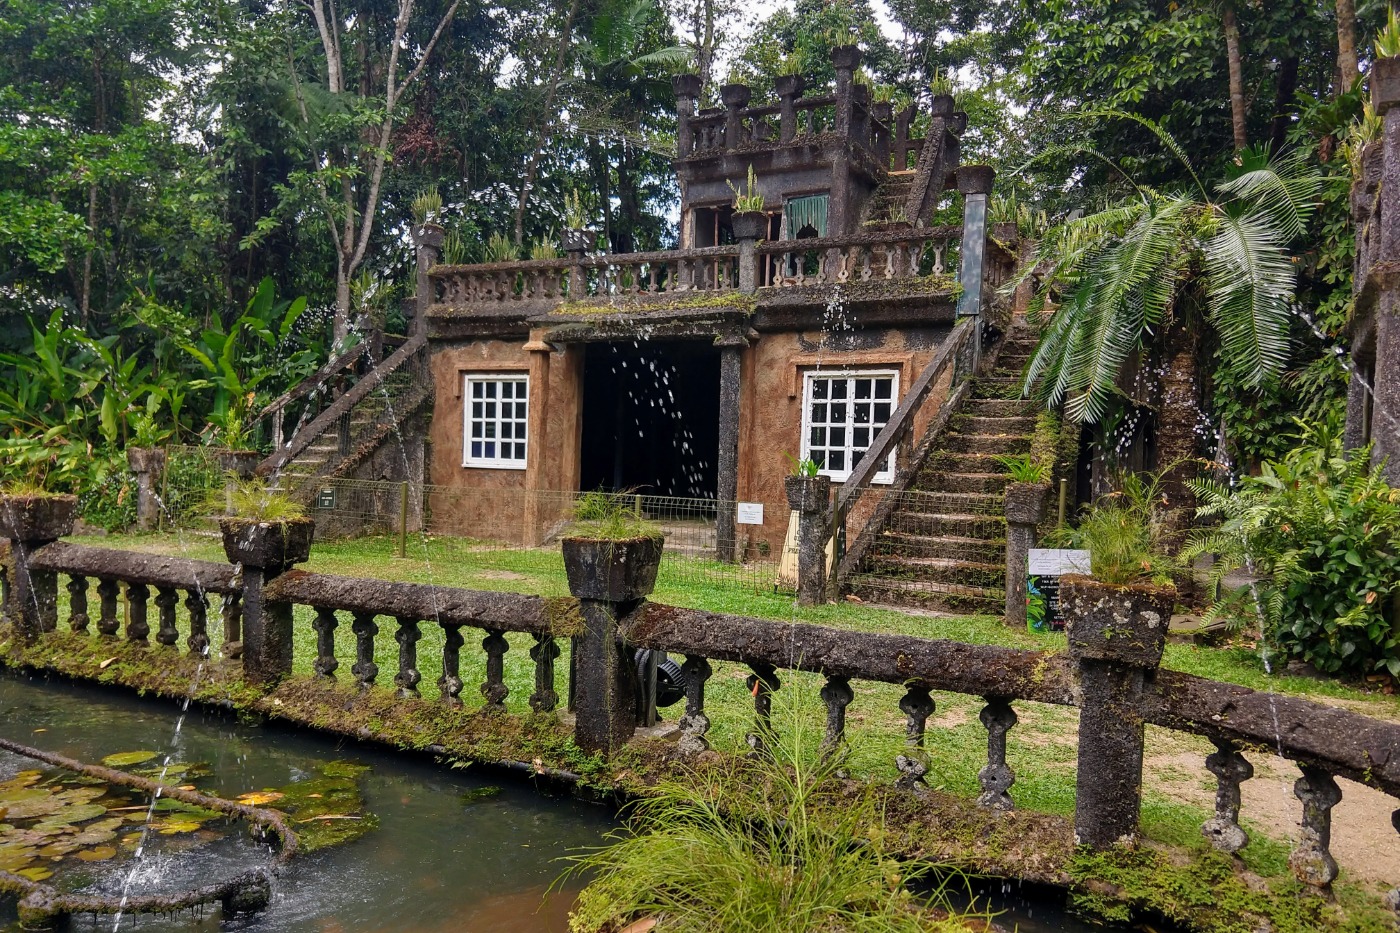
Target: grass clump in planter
[[1125, 535], [610, 516], [777, 845], [249, 500]]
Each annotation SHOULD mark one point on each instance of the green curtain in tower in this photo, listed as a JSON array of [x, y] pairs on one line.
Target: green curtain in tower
[[809, 211]]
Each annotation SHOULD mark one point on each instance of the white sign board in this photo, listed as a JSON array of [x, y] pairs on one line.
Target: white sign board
[[1055, 562], [750, 513]]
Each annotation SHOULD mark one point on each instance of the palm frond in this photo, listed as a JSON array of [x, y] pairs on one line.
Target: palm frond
[[1249, 285], [1285, 189]]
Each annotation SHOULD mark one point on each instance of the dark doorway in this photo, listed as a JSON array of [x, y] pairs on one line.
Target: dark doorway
[[651, 418]]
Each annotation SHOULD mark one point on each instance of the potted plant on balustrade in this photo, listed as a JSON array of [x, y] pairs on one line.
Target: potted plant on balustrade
[[1027, 491], [31, 512], [748, 222], [807, 490], [427, 219], [264, 527], [1385, 71], [611, 552], [1123, 607], [574, 238]]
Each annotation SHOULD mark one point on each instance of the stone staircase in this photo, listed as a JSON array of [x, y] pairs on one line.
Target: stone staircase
[[942, 545], [349, 430], [886, 206]]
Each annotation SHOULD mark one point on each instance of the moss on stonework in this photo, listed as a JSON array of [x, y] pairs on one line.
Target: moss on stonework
[[658, 306], [565, 618]]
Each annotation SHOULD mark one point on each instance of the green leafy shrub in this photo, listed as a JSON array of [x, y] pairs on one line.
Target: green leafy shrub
[[1024, 469], [613, 516], [1320, 530], [251, 499]]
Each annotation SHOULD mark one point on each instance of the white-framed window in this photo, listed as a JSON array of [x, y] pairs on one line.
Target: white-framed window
[[495, 412], [841, 414]]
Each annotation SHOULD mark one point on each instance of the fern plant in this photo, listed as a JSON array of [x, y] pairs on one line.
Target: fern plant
[[1115, 276], [1125, 534], [1319, 532], [747, 199], [1388, 39]]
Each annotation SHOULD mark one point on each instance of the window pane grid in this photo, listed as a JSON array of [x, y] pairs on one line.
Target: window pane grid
[[843, 413], [496, 418]]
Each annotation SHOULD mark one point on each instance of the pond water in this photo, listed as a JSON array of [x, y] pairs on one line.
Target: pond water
[[453, 850]]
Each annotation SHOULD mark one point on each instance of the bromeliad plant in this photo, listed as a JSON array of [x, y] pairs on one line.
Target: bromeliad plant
[[1115, 276], [748, 199], [1319, 530]]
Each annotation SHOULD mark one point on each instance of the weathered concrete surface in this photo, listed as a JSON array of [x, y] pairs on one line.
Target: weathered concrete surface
[[445, 605], [809, 497], [152, 569]]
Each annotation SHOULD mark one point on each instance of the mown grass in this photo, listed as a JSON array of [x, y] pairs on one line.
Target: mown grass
[[1041, 749]]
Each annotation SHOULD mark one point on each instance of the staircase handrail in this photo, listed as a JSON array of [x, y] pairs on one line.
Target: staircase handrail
[[902, 421], [313, 383], [343, 405]]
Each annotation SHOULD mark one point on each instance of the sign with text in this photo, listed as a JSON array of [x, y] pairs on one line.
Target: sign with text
[[750, 513], [1046, 566]]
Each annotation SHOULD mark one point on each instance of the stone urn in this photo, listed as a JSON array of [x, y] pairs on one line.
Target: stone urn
[[1025, 503], [686, 85], [145, 459], [749, 225], [845, 57], [1122, 624], [807, 493], [1385, 83], [789, 85], [735, 96], [578, 241], [37, 517], [942, 106], [240, 463], [275, 545], [614, 571], [430, 234]]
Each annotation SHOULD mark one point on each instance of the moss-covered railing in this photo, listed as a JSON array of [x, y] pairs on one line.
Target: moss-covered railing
[[608, 620]]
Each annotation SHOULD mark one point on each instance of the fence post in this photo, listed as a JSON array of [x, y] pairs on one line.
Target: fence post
[[609, 579], [809, 497], [264, 551], [1025, 508], [1116, 635], [148, 464], [30, 522], [975, 183], [731, 371]]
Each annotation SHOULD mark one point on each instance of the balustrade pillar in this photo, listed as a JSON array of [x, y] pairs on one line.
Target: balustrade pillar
[[997, 777], [324, 625], [107, 621], [735, 97], [1311, 860], [788, 88], [494, 689], [30, 522], [836, 693], [1231, 769], [687, 88], [544, 652], [364, 628], [231, 615], [138, 630], [428, 239], [78, 603], [166, 600], [694, 723], [197, 605], [730, 374], [450, 681], [264, 551], [917, 706], [762, 683]]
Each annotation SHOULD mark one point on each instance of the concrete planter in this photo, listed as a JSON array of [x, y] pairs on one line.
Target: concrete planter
[[749, 225], [612, 571], [686, 85], [36, 518], [240, 463], [807, 493], [274, 545], [789, 85], [578, 241], [430, 234], [1385, 84], [1025, 503], [845, 57], [735, 95], [1122, 624], [942, 106]]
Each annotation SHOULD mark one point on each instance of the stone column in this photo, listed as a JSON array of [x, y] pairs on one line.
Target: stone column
[[687, 88], [147, 464], [788, 88], [860, 115], [845, 59], [264, 551], [537, 438], [1116, 634], [736, 98], [30, 522], [609, 579], [1025, 508], [809, 497], [975, 183], [726, 532], [881, 112], [427, 249]]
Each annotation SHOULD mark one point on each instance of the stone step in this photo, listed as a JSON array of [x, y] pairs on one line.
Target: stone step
[[947, 547], [969, 600], [987, 443], [948, 524], [997, 387], [949, 462], [1002, 408], [939, 570], [994, 424], [940, 481]]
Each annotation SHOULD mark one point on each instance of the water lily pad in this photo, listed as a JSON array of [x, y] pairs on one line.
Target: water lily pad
[[99, 854], [258, 798], [175, 827], [14, 856], [127, 759], [76, 813], [36, 873]]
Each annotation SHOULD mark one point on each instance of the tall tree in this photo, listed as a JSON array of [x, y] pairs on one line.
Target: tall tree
[[1347, 69], [1239, 115]]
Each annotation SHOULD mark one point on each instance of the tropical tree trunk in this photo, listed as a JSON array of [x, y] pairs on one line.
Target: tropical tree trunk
[[1238, 112], [1178, 420], [1347, 69], [1284, 104]]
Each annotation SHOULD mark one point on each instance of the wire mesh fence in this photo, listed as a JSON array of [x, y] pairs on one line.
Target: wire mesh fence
[[189, 486]]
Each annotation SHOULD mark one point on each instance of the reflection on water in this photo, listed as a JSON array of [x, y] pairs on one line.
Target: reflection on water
[[443, 858]]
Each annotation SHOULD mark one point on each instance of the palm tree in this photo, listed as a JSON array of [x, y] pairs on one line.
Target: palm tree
[[1161, 271]]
